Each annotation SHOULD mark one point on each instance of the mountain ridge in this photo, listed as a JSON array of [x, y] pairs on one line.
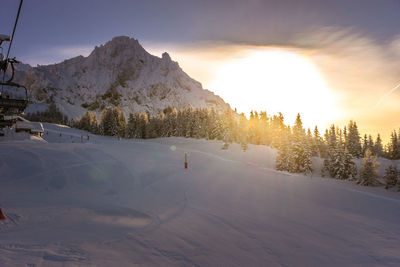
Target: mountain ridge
[[118, 73]]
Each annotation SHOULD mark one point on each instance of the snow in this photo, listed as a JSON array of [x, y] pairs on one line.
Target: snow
[[74, 201]]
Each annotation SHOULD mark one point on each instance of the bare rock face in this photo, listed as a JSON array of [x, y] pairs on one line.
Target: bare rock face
[[120, 73]]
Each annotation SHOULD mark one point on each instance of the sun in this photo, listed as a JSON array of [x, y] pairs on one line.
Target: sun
[[276, 80]]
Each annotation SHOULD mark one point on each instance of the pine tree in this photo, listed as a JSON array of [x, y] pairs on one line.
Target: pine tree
[[339, 163], [131, 126], [113, 122], [394, 149], [391, 176], [311, 142], [300, 150], [217, 130], [346, 168], [278, 128], [142, 121], [319, 143], [283, 159], [243, 137], [378, 148], [369, 173], [371, 144], [330, 163], [398, 145], [365, 144], [353, 144], [350, 168]]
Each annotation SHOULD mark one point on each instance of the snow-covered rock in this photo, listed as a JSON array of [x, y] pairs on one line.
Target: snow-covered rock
[[120, 73]]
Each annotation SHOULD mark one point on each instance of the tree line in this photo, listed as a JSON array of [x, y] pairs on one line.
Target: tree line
[[295, 145]]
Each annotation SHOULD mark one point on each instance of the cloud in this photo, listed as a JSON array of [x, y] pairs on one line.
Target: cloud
[[355, 64], [362, 71]]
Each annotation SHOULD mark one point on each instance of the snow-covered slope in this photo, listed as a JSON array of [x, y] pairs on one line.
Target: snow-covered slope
[[76, 201], [121, 73]]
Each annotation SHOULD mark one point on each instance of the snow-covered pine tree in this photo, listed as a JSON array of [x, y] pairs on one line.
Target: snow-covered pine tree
[[331, 162], [94, 124], [365, 144], [87, 122], [283, 159], [350, 168], [243, 135], [217, 130], [278, 128], [107, 123], [141, 125], [169, 127], [322, 147], [155, 126], [339, 163], [369, 174], [391, 176], [131, 126], [229, 125], [265, 131], [252, 124], [378, 148], [353, 144], [394, 146], [371, 144], [312, 144], [306, 165], [318, 141], [190, 123], [198, 130], [300, 150], [398, 145]]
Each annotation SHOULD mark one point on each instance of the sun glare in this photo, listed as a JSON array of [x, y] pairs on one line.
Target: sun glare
[[276, 80]]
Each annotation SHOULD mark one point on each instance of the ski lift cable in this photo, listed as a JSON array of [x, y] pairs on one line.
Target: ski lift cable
[[12, 35], [15, 26]]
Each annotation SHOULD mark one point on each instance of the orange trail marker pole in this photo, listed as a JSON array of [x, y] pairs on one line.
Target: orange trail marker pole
[[2, 217], [186, 164]]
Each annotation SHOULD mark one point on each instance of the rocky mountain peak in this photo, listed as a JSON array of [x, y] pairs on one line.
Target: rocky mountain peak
[[120, 73], [166, 57]]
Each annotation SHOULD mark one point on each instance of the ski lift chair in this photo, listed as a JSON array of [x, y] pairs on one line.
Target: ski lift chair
[[3, 38], [10, 105]]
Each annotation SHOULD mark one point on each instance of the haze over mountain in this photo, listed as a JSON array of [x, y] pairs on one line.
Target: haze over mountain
[[120, 73]]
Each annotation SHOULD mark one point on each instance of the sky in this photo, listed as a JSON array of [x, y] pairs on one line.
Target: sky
[[350, 49]]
